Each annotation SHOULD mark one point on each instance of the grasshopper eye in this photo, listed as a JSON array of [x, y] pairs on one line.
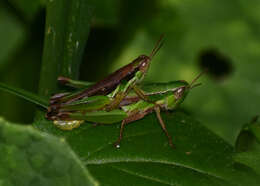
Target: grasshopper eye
[[143, 64], [179, 92]]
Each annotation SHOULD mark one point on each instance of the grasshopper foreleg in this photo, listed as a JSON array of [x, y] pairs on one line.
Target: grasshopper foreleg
[[140, 93], [115, 103], [117, 143]]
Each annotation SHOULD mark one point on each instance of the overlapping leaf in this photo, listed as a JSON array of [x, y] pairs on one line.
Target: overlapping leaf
[[29, 157]]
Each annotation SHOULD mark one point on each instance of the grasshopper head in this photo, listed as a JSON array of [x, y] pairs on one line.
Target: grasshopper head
[[145, 62], [181, 92]]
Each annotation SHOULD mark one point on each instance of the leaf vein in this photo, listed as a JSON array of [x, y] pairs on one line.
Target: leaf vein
[[141, 175]]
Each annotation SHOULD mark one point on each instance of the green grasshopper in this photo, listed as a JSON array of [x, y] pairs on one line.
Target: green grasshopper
[[163, 96], [117, 85]]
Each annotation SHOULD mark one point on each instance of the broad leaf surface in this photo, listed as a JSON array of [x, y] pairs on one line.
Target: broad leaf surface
[[145, 158], [30, 157]]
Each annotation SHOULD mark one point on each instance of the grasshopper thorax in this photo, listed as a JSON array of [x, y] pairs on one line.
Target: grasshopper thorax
[[181, 92]]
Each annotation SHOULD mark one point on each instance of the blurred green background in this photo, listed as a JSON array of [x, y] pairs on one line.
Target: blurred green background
[[220, 35]]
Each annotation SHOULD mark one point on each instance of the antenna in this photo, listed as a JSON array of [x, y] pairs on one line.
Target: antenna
[[157, 47], [195, 85], [196, 78]]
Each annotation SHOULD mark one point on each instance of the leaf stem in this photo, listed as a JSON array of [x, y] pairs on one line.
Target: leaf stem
[[66, 32]]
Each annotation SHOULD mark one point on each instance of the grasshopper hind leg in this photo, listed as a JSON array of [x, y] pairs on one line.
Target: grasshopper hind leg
[[139, 115], [158, 114]]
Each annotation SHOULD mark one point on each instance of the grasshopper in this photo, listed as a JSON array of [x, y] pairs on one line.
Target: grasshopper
[[118, 84], [163, 96]]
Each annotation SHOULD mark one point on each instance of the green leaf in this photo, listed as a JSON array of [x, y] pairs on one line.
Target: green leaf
[[248, 146], [29, 157], [66, 33], [145, 158], [31, 97], [254, 127], [250, 158]]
